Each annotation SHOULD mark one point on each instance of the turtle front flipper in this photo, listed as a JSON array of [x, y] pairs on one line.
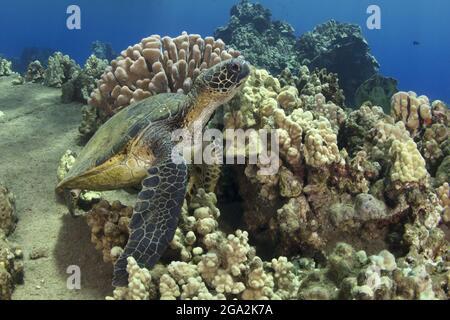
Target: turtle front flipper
[[155, 215]]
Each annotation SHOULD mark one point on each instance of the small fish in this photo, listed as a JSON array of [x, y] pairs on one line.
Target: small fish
[[416, 43]]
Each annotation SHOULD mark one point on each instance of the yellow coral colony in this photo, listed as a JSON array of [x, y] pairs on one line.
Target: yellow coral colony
[[408, 164]]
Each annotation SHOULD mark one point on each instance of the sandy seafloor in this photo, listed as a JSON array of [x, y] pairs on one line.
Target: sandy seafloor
[[35, 131]]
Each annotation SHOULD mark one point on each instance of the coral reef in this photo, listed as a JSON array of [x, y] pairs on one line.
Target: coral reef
[[207, 264], [8, 217], [377, 90], [359, 123], [103, 50], [443, 172], [60, 70], [264, 43], [312, 83], [341, 173], [80, 87], [408, 166], [427, 124], [90, 122], [359, 208], [417, 112], [346, 176], [140, 285], [351, 274], [342, 49], [109, 227], [5, 67], [443, 193], [211, 265], [11, 267], [35, 72]]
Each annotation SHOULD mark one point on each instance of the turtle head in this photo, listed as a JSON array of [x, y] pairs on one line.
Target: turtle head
[[214, 87], [221, 82]]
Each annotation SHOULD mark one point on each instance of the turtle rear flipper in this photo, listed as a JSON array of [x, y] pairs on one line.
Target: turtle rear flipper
[[155, 215]]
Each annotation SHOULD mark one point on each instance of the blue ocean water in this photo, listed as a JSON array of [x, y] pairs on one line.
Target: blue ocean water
[[423, 68]]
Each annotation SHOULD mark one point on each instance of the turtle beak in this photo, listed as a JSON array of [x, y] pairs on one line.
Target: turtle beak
[[244, 73]]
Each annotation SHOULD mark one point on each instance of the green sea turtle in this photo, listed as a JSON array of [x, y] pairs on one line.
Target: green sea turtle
[[135, 146]]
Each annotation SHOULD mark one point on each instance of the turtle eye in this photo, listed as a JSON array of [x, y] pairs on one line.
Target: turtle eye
[[235, 67]]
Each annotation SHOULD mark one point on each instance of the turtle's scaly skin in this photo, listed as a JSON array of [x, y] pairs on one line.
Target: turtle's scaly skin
[[135, 146]]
